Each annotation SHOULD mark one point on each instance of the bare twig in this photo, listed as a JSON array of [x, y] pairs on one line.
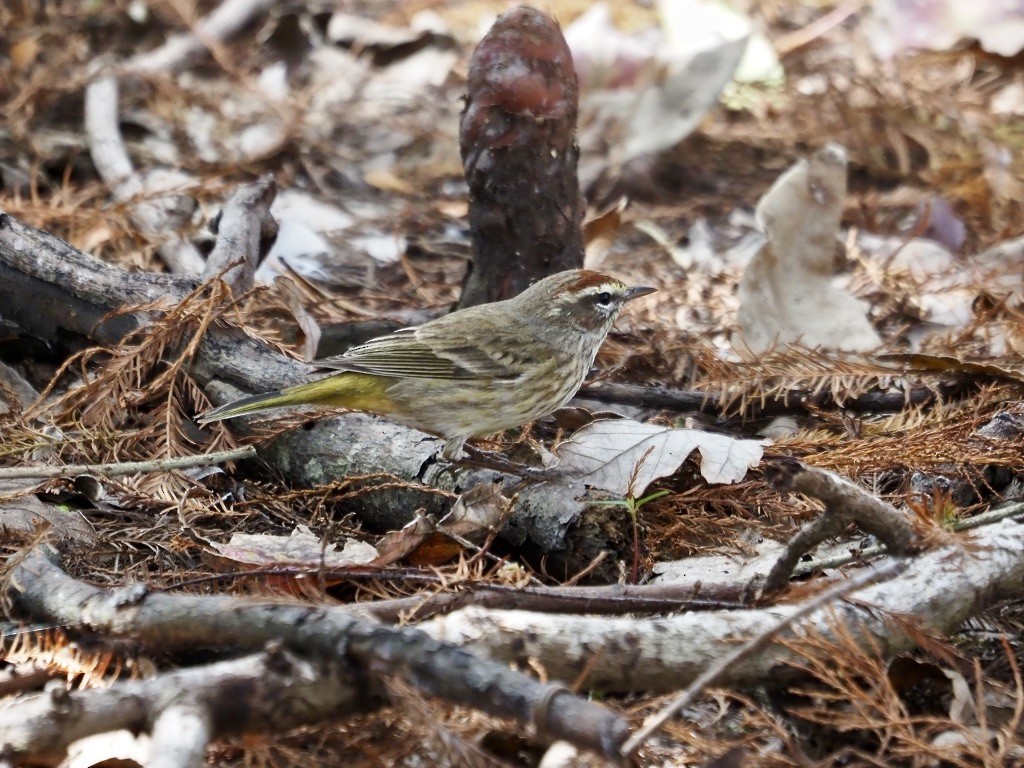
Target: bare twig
[[978, 521], [224, 21], [130, 467], [796, 401], [753, 646], [269, 691], [845, 503], [792, 41]]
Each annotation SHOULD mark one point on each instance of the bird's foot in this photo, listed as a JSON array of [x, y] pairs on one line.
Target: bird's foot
[[475, 457]]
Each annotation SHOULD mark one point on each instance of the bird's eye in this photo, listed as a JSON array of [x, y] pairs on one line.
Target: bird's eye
[[604, 298]]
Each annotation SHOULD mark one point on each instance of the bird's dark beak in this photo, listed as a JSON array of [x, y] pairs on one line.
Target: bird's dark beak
[[636, 291]]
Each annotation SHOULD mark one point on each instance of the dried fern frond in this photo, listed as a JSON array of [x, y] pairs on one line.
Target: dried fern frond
[[135, 401], [791, 373]]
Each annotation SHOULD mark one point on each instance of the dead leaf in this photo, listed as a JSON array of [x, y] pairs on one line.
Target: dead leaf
[[476, 513], [893, 26], [599, 232], [301, 547], [418, 542], [386, 180], [303, 319], [623, 457], [666, 113], [24, 516], [787, 295]]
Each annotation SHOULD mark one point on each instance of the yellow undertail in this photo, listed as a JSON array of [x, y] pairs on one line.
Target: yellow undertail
[[356, 391]]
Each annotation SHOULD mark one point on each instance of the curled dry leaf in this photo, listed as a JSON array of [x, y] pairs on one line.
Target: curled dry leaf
[[307, 324], [23, 517], [787, 293], [647, 91], [301, 547], [477, 512], [623, 457]]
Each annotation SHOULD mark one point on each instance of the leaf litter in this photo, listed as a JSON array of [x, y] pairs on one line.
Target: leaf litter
[[350, 127]]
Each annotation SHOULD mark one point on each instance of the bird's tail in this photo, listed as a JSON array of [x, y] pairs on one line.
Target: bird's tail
[[248, 405], [356, 391]]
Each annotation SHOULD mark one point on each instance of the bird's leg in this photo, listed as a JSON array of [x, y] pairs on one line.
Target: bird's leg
[[453, 449], [475, 457]]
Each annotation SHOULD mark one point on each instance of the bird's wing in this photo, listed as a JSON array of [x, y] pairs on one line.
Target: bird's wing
[[437, 350]]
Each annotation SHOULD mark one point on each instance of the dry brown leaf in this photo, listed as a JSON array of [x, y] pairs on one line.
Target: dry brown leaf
[[22, 517]]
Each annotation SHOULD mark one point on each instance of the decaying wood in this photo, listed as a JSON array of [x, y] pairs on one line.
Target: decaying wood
[[938, 590], [845, 503], [165, 622], [519, 155]]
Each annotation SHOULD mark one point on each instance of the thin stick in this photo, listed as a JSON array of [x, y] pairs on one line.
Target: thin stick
[[752, 646], [985, 518], [129, 467]]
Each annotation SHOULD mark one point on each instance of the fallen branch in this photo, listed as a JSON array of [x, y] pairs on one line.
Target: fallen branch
[[845, 503], [129, 467], [755, 645], [166, 622], [614, 599], [796, 401], [939, 590], [270, 692]]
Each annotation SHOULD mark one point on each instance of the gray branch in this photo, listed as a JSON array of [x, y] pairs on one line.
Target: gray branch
[[272, 691], [938, 591], [168, 622]]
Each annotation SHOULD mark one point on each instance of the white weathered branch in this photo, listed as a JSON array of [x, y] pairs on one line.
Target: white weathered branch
[[156, 212], [165, 621], [938, 591], [273, 691], [178, 51]]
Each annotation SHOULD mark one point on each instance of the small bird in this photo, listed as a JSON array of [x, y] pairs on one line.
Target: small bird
[[474, 372]]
